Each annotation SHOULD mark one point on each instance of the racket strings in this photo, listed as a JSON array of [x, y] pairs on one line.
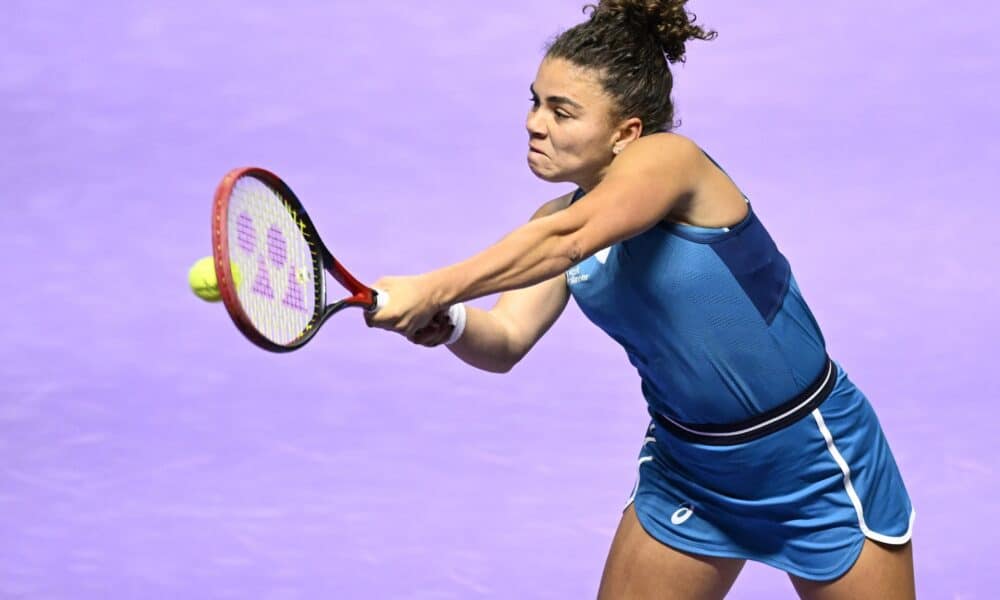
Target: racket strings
[[278, 292]]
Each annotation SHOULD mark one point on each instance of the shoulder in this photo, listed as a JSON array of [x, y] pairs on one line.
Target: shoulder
[[667, 162], [553, 206], [663, 148]]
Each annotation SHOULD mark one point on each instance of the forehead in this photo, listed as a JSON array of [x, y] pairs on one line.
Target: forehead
[[559, 77]]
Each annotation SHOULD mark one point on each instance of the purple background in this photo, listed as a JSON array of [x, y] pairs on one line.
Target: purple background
[[149, 451]]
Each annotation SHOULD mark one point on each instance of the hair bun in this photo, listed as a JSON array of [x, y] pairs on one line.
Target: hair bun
[[666, 20]]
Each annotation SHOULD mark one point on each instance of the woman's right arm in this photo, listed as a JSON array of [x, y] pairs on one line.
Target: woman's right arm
[[497, 339]]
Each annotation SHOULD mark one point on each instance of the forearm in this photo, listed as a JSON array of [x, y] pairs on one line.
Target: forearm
[[530, 254], [486, 342]]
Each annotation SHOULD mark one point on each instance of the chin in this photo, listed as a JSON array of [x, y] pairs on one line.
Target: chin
[[549, 176]]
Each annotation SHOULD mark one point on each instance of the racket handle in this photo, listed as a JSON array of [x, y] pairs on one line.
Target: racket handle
[[381, 299]]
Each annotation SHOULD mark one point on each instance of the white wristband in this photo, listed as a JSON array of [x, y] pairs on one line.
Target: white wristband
[[457, 315]]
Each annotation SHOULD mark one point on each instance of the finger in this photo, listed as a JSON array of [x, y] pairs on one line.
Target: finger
[[422, 333], [442, 337], [383, 321], [377, 320], [425, 336], [421, 322], [437, 337], [407, 327]]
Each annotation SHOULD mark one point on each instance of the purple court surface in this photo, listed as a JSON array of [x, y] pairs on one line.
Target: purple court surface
[[147, 450]]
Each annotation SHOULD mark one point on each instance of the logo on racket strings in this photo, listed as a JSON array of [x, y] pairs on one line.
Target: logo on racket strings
[[273, 255]]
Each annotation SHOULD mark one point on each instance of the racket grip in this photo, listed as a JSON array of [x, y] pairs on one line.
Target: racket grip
[[457, 316], [381, 299]]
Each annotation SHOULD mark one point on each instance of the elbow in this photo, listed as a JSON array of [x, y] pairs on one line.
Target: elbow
[[578, 245], [566, 239], [496, 368], [504, 365], [499, 369], [496, 362], [510, 364], [574, 250], [512, 346]]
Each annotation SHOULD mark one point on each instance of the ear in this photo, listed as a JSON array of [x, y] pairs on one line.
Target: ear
[[627, 132]]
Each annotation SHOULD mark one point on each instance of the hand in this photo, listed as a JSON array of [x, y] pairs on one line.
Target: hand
[[410, 306], [436, 332]]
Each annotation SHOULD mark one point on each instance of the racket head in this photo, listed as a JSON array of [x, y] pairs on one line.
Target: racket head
[[277, 295]]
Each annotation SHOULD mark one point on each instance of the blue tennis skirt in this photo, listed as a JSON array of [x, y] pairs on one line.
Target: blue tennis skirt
[[802, 499]]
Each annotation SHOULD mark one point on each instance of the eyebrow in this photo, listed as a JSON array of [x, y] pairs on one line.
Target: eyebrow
[[556, 99]]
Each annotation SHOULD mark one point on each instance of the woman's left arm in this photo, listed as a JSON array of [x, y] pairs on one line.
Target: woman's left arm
[[640, 188]]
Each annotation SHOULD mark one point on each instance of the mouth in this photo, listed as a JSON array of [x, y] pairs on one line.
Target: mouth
[[535, 150]]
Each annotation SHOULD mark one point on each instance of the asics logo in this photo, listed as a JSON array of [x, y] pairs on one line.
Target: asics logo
[[681, 515]]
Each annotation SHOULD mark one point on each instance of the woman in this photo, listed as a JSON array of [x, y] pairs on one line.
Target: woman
[[760, 447]]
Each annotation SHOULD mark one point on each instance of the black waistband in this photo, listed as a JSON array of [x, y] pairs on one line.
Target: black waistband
[[760, 425]]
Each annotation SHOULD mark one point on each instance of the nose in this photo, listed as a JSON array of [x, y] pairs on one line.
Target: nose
[[534, 124]]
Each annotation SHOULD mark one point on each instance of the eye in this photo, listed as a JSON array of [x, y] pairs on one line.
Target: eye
[[561, 114], [534, 101]]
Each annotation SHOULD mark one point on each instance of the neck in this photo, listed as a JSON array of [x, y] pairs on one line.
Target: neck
[[589, 181]]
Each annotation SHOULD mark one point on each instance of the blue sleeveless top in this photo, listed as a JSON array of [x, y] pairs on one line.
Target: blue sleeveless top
[[712, 319]]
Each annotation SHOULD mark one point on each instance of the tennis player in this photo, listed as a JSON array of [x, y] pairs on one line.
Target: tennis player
[[759, 446]]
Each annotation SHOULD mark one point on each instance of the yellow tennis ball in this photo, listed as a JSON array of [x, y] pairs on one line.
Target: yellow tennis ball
[[202, 279], [237, 276]]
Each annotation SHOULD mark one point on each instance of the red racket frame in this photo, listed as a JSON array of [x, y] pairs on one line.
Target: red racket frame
[[361, 295]]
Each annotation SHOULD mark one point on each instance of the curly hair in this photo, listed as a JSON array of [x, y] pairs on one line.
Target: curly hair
[[630, 43]]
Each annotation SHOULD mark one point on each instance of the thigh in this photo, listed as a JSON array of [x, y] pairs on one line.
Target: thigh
[[882, 572], [640, 567]]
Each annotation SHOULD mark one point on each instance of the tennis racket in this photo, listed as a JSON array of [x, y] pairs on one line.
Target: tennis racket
[[270, 263]]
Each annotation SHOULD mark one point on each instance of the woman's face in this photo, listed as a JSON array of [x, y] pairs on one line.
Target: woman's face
[[570, 128]]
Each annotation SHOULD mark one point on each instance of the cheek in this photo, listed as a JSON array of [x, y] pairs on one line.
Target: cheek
[[570, 141], [580, 146]]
